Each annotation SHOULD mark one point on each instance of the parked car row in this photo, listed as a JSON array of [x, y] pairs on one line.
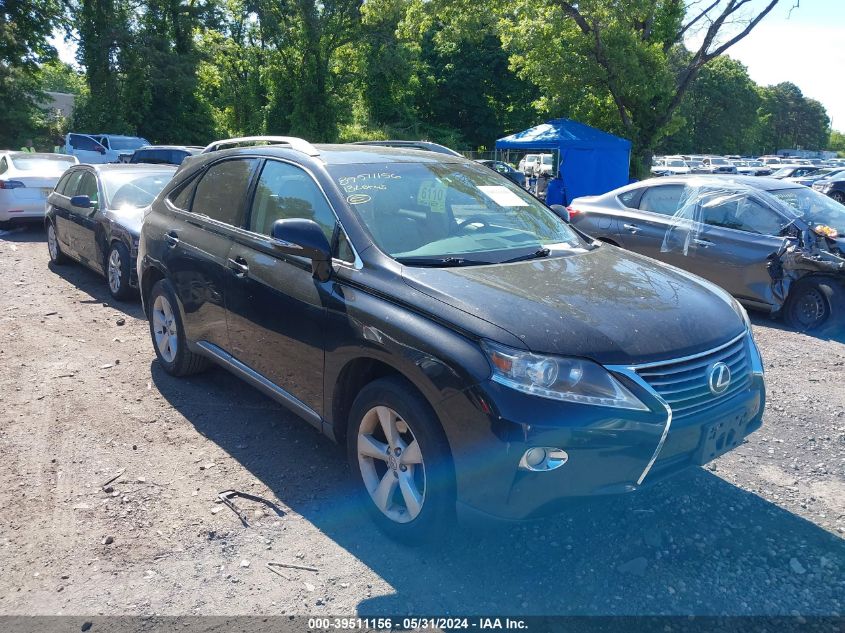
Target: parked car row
[[474, 350]]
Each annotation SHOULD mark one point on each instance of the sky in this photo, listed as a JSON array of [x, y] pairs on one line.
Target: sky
[[805, 46]]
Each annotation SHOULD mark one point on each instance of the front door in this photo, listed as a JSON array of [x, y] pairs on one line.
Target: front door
[[732, 245], [85, 221], [276, 308]]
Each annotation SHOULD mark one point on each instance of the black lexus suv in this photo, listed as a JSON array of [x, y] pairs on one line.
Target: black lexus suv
[[471, 349]]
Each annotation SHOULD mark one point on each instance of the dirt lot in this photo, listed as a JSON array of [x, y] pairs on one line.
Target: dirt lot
[[82, 399]]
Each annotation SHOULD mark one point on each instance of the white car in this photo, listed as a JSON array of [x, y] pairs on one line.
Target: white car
[[26, 179], [102, 148], [528, 164], [546, 165], [670, 166]]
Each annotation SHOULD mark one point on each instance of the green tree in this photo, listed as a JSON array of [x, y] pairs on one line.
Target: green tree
[[789, 120], [25, 26], [837, 142], [719, 112], [622, 65]]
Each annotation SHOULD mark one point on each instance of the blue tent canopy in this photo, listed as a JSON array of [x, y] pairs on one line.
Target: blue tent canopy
[[591, 161]]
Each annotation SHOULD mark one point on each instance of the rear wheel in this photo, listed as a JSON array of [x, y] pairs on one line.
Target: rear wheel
[[117, 271], [399, 453], [53, 248], [838, 196], [168, 333]]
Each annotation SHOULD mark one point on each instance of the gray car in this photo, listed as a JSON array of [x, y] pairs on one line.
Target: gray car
[[774, 245]]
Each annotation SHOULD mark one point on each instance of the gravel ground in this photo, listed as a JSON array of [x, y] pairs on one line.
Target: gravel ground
[[760, 531]]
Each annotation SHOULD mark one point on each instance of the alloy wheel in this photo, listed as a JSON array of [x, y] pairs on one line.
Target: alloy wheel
[[114, 270], [52, 245], [391, 464], [164, 329]]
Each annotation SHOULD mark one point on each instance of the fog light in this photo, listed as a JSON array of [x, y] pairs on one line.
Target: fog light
[[543, 458]]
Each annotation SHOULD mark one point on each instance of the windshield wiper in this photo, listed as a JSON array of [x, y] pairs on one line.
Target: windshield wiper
[[543, 252], [439, 262]]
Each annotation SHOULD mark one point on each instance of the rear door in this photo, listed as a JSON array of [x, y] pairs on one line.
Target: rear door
[[275, 305], [643, 229], [204, 214]]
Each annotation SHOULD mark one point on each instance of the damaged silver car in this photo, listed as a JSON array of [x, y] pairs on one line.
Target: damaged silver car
[[775, 246]]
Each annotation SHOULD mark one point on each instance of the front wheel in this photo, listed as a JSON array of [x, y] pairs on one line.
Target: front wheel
[[807, 306], [168, 333], [399, 453], [117, 271]]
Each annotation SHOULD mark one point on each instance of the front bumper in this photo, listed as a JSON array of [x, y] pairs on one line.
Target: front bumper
[[610, 451]]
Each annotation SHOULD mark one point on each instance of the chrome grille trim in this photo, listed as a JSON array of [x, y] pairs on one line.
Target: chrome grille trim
[[634, 373], [682, 383]]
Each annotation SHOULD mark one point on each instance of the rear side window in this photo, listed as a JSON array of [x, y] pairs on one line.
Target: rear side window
[[630, 198], [287, 192], [221, 191], [662, 199]]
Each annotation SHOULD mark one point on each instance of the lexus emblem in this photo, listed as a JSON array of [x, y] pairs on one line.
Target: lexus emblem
[[719, 378]]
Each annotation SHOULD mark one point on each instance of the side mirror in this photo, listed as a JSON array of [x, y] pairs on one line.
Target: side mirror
[[306, 239], [562, 212], [81, 202]]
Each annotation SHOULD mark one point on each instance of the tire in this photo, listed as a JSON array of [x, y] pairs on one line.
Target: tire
[[117, 271], [418, 495], [839, 196], [168, 333], [808, 304], [53, 248]]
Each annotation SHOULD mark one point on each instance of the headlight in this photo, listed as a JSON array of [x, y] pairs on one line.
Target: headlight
[[559, 378]]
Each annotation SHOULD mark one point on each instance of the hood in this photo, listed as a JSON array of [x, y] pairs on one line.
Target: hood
[[129, 218], [607, 304]]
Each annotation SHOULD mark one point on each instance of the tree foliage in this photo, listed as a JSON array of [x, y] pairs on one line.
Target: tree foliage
[[461, 72]]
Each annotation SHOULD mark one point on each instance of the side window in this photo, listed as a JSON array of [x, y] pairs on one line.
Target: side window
[[221, 191], [88, 187], [4, 166], [62, 184], [662, 199], [344, 249], [630, 198], [85, 143], [744, 214], [72, 183], [181, 196], [287, 192]]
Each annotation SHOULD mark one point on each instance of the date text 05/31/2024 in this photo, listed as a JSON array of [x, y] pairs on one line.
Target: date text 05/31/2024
[[410, 623]]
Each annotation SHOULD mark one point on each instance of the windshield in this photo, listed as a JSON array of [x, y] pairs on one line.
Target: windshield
[[694, 163], [547, 159], [134, 188], [424, 213], [814, 207], [51, 163], [676, 163], [719, 161], [127, 142]]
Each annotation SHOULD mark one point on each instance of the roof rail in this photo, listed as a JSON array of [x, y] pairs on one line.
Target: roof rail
[[298, 144]]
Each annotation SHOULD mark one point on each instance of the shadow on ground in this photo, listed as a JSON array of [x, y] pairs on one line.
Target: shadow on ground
[[693, 545], [90, 282]]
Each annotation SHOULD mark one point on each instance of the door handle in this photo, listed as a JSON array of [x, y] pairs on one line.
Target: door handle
[[633, 228], [239, 266], [171, 239], [702, 243]]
